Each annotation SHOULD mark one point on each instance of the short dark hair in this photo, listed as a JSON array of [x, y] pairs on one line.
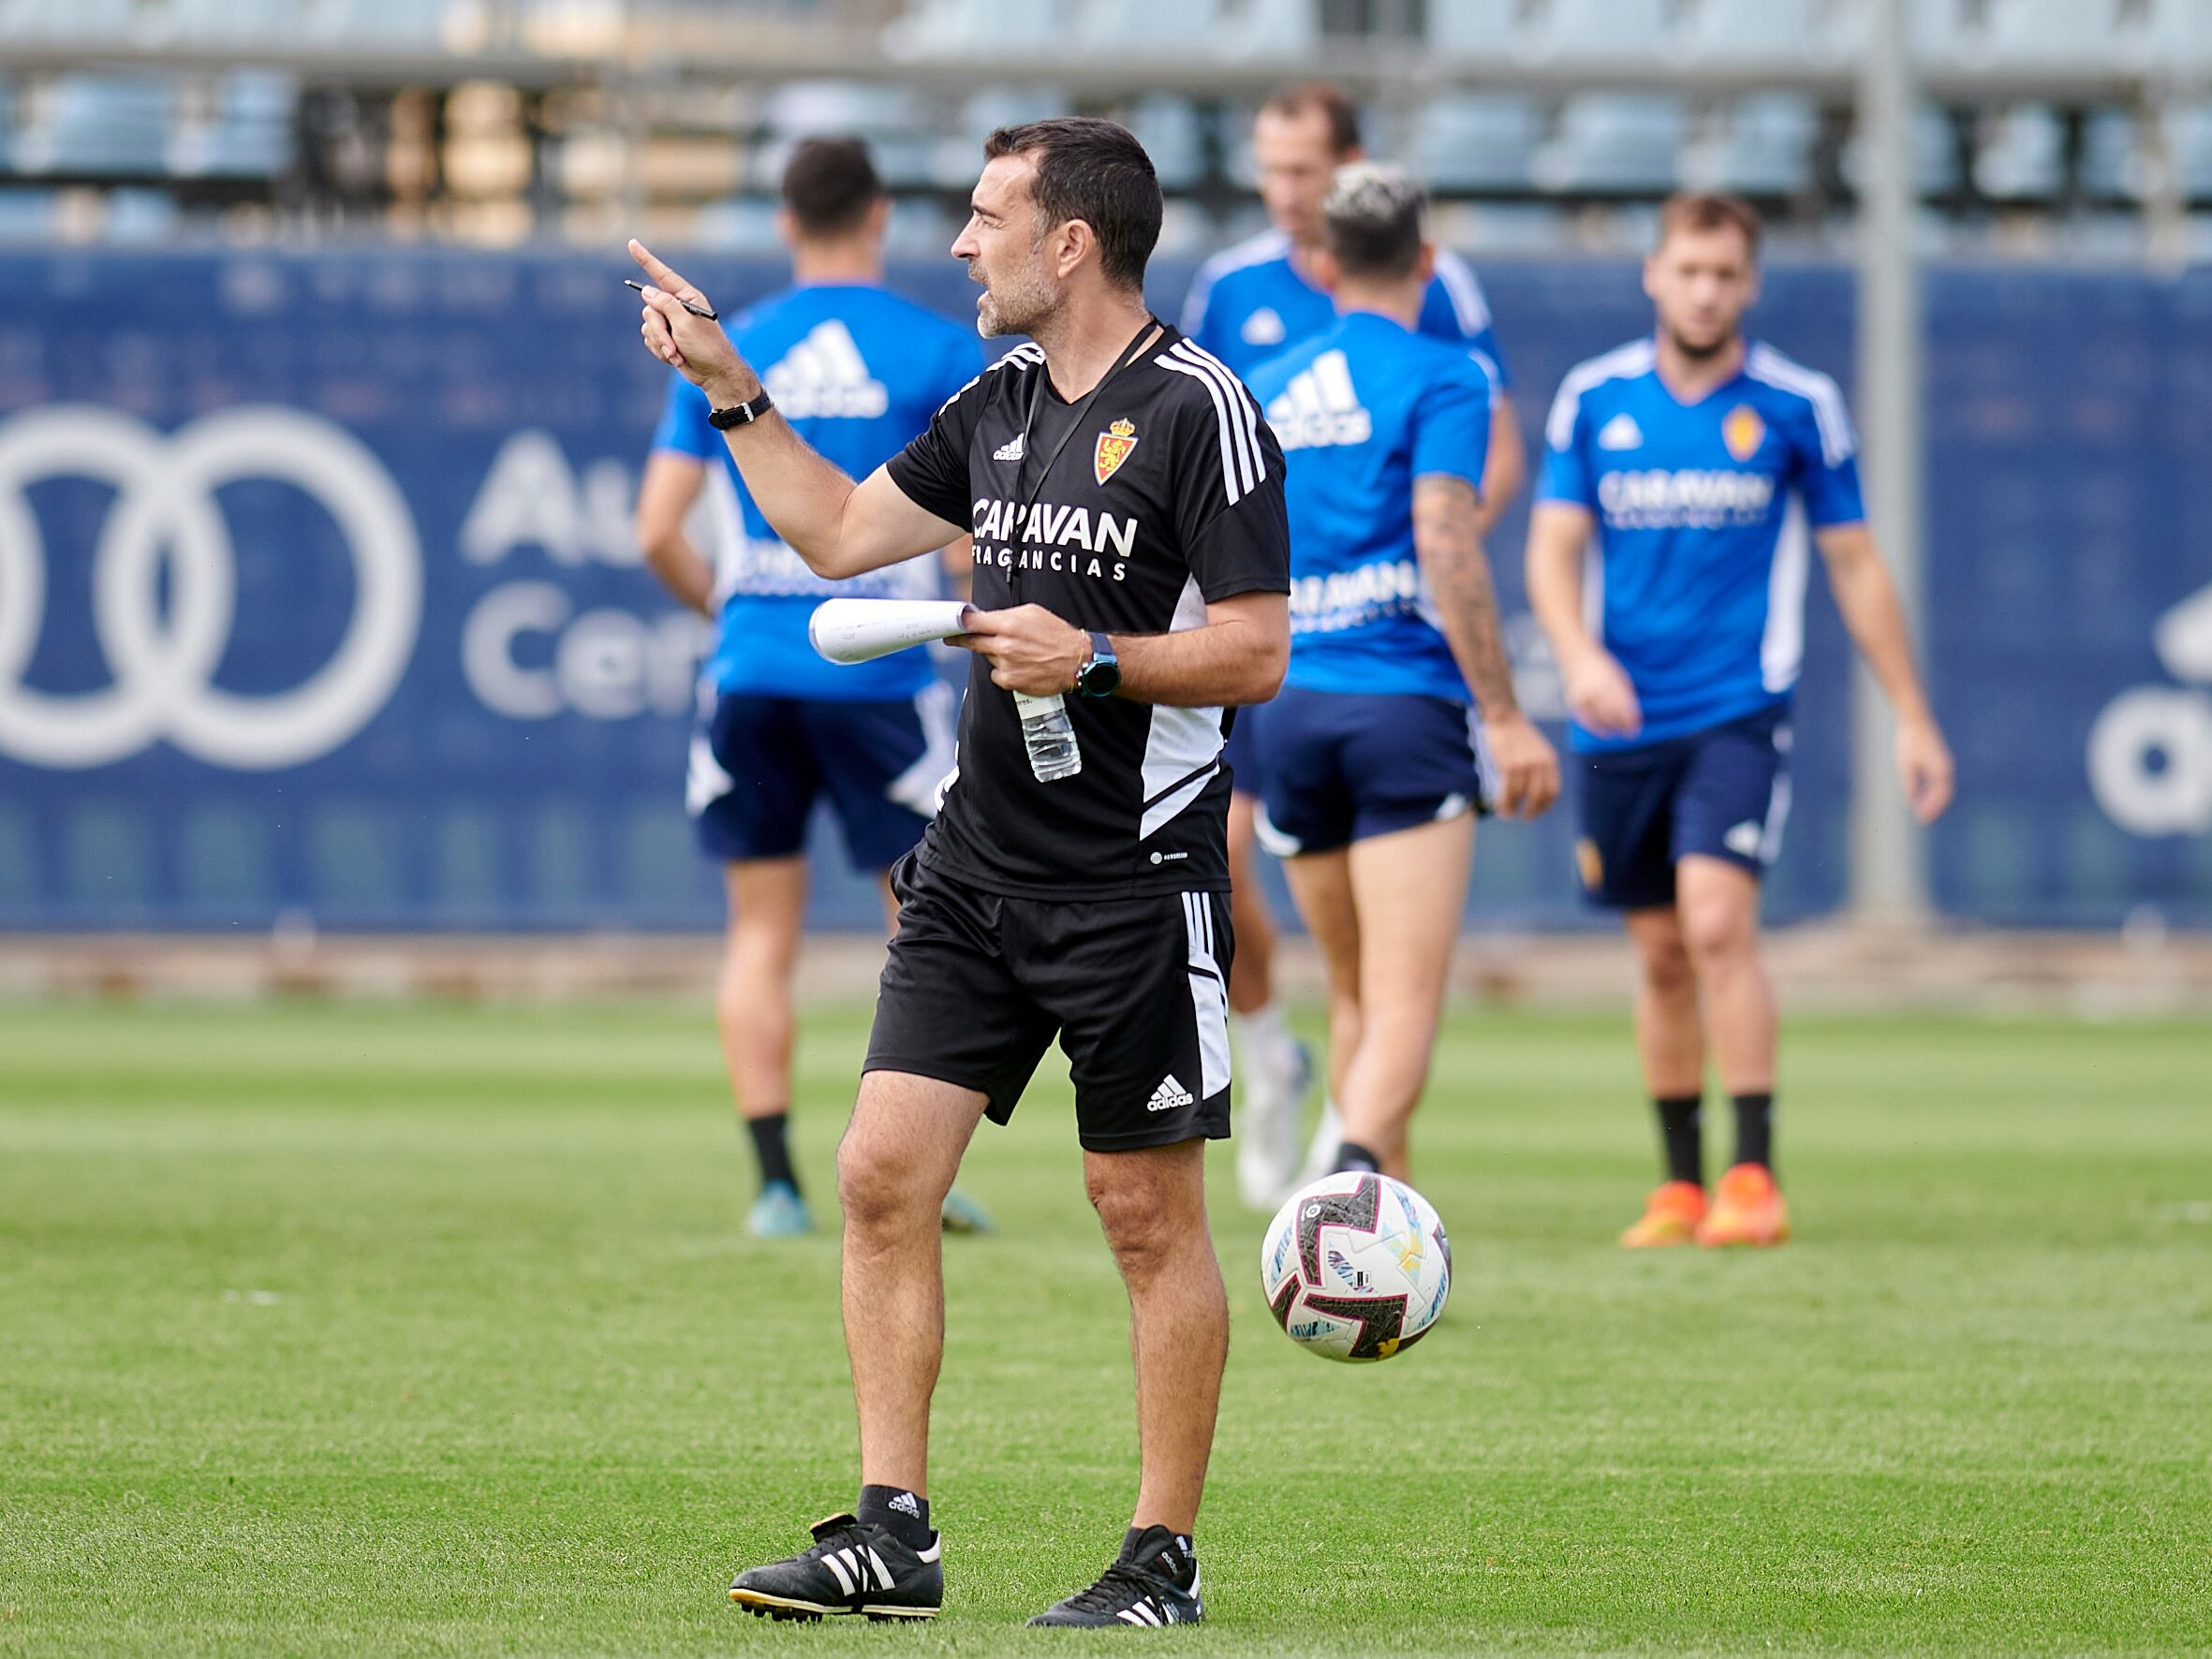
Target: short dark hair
[[1371, 220], [829, 185], [1095, 171], [1342, 114], [1708, 210]]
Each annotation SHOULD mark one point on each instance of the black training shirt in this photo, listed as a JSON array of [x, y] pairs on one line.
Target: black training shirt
[[1167, 496]]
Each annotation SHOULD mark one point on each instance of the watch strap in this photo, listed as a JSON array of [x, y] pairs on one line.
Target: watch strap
[[741, 413]]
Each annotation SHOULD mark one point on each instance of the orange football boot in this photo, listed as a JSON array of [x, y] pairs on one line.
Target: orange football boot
[[1671, 1216], [1748, 1209]]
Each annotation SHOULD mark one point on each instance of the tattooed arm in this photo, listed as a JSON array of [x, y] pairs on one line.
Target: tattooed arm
[[1457, 572]]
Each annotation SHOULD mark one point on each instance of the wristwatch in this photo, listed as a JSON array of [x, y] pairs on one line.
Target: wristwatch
[[1101, 673], [741, 413]]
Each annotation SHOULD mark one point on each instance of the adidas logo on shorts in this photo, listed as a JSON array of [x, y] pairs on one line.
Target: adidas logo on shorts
[[1169, 1095], [824, 375], [1318, 409]]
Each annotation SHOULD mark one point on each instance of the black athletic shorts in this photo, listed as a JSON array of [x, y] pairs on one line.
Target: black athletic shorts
[[977, 985]]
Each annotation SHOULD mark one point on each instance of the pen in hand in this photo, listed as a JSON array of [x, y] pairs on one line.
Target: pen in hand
[[712, 316]]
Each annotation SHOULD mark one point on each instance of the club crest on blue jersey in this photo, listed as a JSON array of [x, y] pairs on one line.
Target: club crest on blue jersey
[[1743, 432]]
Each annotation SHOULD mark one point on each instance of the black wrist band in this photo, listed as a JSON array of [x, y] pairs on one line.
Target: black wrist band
[[741, 413]]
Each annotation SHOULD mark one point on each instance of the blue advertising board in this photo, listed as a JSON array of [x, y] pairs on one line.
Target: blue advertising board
[[319, 603]]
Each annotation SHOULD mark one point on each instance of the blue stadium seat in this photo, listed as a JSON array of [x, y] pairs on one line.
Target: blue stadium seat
[[249, 135], [956, 158], [742, 224], [893, 119], [2189, 145], [2113, 164], [97, 124], [2020, 154], [1760, 146], [919, 230], [1613, 143], [143, 216], [1173, 132], [1475, 142], [1935, 155]]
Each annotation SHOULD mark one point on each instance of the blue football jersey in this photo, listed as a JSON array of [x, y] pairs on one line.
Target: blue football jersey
[[858, 371], [1248, 303], [1695, 576], [1363, 411]]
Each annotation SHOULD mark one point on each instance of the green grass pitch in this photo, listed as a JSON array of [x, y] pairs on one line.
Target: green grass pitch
[[432, 1330]]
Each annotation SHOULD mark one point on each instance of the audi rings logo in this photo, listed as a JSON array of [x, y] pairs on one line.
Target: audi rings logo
[[162, 660]]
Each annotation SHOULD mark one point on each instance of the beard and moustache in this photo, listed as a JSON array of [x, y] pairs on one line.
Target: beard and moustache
[[1701, 351], [1014, 304]]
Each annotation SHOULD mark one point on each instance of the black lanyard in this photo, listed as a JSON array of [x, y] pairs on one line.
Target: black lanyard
[[1075, 419]]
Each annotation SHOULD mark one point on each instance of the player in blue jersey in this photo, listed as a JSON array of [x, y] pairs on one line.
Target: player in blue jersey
[[1686, 477], [858, 371], [1248, 304], [1371, 759]]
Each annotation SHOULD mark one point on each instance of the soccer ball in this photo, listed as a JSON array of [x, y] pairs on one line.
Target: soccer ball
[[1355, 1267]]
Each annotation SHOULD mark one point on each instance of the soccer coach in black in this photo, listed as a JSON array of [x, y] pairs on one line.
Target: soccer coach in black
[[1132, 557]]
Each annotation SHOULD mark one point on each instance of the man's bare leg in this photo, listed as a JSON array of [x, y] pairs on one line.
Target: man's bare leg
[[1320, 884], [1272, 1064], [1410, 888], [1718, 905], [1670, 1042], [753, 1002], [1152, 1204], [895, 1166]]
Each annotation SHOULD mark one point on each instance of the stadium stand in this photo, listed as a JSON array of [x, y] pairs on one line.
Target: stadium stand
[[359, 112]]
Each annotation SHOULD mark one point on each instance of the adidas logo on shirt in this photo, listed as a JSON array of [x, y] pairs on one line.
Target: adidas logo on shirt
[[1318, 409], [1169, 1095], [1014, 450], [825, 376], [1265, 327], [1620, 432]]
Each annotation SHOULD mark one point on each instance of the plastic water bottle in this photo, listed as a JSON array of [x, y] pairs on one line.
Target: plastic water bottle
[[1050, 736]]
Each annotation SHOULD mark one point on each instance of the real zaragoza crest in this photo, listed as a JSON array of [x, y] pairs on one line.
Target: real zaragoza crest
[[1743, 432], [1113, 448]]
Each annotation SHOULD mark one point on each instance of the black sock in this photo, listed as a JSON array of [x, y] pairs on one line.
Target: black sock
[[1755, 1129], [770, 1147], [1351, 1155], [1178, 1560], [1682, 1135], [903, 1514]]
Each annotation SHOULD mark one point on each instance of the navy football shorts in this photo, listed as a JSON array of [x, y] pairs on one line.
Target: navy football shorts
[[1719, 794], [1242, 753], [759, 763], [1338, 766]]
